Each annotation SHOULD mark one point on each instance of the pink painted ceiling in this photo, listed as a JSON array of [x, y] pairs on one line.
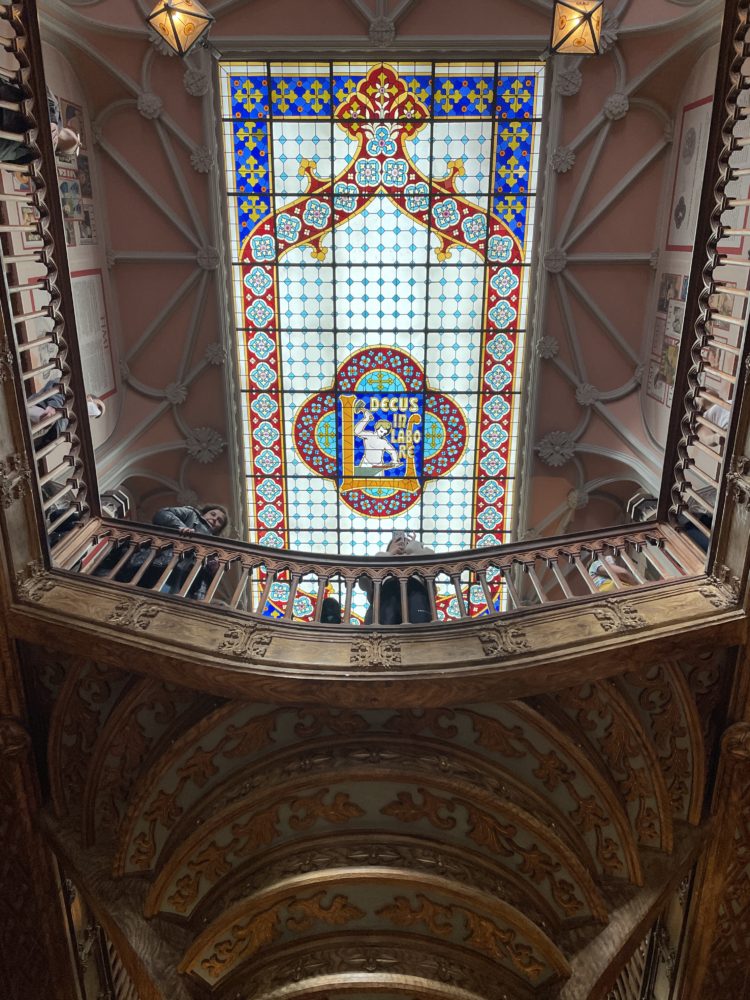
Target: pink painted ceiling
[[611, 129]]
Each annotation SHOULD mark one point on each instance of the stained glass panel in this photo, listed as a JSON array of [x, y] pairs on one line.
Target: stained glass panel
[[381, 224]]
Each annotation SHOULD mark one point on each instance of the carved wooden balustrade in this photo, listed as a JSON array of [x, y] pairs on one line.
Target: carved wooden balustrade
[[37, 304], [713, 370], [263, 583]]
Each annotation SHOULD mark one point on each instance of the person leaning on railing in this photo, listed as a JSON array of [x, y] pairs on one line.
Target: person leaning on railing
[[64, 140], [417, 597], [211, 519], [602, 578], [55, 404]]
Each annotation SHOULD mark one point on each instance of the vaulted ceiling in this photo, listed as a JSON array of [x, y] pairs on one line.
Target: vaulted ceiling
[[471, 851], [591, 435]]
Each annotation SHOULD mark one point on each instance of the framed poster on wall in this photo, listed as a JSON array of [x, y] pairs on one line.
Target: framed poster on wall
[[93, 332], [688, 176]]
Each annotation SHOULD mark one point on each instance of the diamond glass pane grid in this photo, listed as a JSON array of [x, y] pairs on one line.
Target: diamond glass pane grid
[[381, 223]]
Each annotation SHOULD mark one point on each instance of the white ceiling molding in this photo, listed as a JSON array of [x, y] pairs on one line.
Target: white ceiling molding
[[205, 237], [561, 260]]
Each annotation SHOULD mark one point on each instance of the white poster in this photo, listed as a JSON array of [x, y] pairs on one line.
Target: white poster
[[93, 332], [688, 179]]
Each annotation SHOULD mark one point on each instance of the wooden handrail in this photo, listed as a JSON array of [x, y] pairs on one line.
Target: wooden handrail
[[482, 583], [679, 486]]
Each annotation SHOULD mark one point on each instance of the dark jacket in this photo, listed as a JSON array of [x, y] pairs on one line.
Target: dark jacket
[[182, 517], [177, 518]]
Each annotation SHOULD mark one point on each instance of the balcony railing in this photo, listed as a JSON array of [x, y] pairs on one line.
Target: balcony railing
[[266, 583], [37, 304], [262, 583], [712, 369]]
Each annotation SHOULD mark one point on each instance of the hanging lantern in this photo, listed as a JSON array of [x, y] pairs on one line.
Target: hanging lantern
[[180, 23], [577, 26]]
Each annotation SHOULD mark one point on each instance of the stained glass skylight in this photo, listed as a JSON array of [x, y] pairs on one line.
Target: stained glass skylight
[[381, 224]]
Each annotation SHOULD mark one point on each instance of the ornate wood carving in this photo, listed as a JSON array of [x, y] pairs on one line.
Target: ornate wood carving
[[375, 652], [619, 616], [611, 728], [504, 640], [6, 360], [34, 582], [15, 479], [662, 699], [500, 943], [724, 929], [87, 697], [295, 913], [722, 589], [15, 741], [246, 641], [146, 715], [133, 613], [387, 962], [416, 855]]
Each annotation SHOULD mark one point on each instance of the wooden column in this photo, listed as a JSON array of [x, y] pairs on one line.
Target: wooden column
[[35, 956], [717, 958]]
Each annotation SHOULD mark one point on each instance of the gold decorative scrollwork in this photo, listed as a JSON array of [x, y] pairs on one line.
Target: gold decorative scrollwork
[[250, 936]]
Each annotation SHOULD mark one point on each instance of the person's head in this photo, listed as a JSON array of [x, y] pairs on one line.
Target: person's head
[[215, 516], [398, 543], [331, 611], [95, 407], [68, 142], [382, 428]]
